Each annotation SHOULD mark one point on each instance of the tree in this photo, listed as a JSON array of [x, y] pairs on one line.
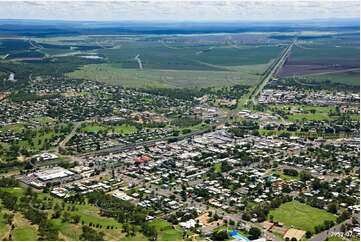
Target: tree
[[150, 231], [246, 217], [332, 208], [254, 233], [126, 228], [76, 219], [91, 234], [219, 236], [308, 234]]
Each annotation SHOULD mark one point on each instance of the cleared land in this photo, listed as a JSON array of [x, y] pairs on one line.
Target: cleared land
[[189, 56], [113, 74], [322, 56], [178, 61], [301, 216]]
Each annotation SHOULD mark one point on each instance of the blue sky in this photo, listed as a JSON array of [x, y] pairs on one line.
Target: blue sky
[[118, 10]]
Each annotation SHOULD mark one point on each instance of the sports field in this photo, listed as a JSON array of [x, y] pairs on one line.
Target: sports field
[[301, 216]]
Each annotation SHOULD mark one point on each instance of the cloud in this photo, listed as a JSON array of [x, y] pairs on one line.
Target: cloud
[[179, 10]]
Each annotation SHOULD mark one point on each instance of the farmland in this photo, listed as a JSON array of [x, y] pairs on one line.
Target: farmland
[[179, 62], [347, 77], [111, 74], [185, 57], [168, 60], [322, 55], [202, 60]]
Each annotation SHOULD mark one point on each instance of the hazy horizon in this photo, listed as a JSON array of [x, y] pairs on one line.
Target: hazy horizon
[[179, 11]]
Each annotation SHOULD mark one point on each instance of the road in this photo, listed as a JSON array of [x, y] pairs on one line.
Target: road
[[274, 68], [120, 148], [337, 228], [68, 137], [205, 208]]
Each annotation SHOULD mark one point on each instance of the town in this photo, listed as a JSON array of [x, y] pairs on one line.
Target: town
[[180, 130], [226, 177]]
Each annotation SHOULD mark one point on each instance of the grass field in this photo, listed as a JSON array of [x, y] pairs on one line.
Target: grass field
[[115, 75], [166, 231], [306, 112], [309, 117], [347, 77], [42, 136], [218, 167], [23, 231], [334, 238], [88, 213], [301, 216], [189, 56], [285, 177], [4, 227], [25, 234], [354, 117], [119, 129]]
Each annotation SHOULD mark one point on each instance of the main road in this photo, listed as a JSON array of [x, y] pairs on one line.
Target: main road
[[271, 71]]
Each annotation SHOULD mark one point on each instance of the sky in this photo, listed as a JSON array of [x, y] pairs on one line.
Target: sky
[[173, 10]]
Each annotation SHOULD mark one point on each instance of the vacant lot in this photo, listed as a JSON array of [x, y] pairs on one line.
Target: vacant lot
[[301, 216]]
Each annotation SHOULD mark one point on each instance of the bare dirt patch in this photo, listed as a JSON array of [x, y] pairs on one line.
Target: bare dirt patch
[[294, 233], [204, 220]]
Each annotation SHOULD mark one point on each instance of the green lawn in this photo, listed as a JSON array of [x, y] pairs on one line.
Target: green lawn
[[301, 216], [334, 238], [25, 234], [4, 227], [42, 136], [218, 167], [43, 120], [309, 117], [306, 112], [124, 129], [88, 213], [119, 129], [166, 232], [137, 237], [285, 177], [354, 117], [92, 128]]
